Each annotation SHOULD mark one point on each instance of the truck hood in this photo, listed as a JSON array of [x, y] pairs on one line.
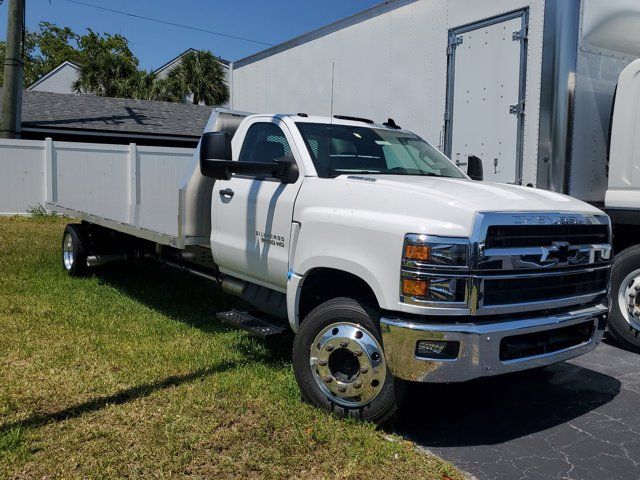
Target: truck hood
[[433, 205]]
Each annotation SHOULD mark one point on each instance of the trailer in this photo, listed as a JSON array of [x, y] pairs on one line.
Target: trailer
[[528, 86]]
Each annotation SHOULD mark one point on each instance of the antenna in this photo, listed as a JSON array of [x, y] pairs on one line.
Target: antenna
[[333, 68]]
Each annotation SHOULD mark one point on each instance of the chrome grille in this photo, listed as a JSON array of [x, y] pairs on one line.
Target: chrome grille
[[550, 261], [506, 291]]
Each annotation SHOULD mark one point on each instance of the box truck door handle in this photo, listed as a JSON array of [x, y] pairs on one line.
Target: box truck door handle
[[227, 192]]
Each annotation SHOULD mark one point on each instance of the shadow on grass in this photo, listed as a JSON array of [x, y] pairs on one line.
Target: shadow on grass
[[177, 295], [118, 398], [183, 298], [193, 301]]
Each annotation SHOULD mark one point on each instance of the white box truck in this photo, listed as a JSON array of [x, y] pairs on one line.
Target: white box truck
[[386, 260], [526, 85]]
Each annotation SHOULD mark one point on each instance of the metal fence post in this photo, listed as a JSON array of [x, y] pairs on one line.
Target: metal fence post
[[50, 181], [133, 182]]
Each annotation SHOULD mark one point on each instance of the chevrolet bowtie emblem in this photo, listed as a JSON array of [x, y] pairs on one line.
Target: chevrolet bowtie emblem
[[560, 251]]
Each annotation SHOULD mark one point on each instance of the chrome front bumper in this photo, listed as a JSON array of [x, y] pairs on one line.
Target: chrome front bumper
[[479, 354]]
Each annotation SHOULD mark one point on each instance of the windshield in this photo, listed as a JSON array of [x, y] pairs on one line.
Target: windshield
[[343, 149]]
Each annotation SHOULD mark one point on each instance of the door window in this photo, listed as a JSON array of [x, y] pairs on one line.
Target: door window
[[264, 142]]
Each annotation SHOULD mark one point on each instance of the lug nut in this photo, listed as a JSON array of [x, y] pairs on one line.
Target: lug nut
[[358, 353], [342, 389], [344, 344], [327, 379], [329, 348], [364, 369], [322, 363], [357, 384]]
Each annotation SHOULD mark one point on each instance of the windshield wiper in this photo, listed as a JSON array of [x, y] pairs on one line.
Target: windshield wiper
[[403, 171], [335, 173]]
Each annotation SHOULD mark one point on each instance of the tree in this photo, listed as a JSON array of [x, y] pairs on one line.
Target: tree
[[31, 71], [44, 50], [147, 86], [199, 73], [107, 66], [55, 45]]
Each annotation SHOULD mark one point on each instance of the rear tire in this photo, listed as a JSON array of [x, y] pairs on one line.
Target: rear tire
[[74, 250], [624, 319], [339, 362]]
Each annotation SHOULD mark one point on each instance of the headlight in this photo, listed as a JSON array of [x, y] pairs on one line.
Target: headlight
[[434, 270], [437, 289], [425, 250]]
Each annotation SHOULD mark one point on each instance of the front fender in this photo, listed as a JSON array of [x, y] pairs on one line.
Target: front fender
[[297, 277]]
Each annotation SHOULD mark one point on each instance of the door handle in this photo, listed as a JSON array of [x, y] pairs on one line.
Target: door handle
[[227, 192]]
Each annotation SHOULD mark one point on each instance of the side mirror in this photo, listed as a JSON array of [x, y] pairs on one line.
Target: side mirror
[[215, 149], [474, 168]]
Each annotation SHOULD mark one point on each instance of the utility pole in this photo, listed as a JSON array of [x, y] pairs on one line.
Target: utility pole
[[12, 90]]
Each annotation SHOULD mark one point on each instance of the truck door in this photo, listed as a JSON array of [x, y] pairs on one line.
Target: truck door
[[252, 215], [485, 95]]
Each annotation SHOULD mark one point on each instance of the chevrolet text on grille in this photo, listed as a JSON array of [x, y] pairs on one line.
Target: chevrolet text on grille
[[546, 220]]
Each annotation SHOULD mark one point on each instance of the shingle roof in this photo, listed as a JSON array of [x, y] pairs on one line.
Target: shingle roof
[[93, 113]]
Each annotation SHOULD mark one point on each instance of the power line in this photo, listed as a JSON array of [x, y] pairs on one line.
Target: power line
[[157, 20]]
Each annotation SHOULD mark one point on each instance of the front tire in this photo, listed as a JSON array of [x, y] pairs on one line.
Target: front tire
[[340, 365], [74, 250], [624, 319]]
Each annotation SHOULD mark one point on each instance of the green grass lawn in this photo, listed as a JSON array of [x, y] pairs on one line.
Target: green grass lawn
[[127, 373]]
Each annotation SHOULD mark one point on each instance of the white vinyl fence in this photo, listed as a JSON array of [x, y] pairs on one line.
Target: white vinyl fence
[[29, 173]]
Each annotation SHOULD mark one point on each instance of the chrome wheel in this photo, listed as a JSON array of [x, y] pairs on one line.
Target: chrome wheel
[[348, 364], [629, 299], [67, 251]]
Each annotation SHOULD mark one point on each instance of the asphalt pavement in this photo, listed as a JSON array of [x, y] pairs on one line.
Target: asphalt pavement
[[575, 420]]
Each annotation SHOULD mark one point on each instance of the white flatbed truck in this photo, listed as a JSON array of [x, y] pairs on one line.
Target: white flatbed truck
[[386, 260]]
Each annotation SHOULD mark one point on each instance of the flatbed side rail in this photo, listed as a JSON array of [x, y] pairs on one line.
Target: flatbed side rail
[[116, 225]]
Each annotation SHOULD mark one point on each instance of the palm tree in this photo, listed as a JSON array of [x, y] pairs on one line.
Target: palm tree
[[107, 65], [147, 86], [200, 74], [106, 74]]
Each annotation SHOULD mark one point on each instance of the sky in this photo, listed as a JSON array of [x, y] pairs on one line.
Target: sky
[[269, 21]]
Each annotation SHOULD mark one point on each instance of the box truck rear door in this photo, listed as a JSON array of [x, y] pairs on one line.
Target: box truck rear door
[[485, 95]]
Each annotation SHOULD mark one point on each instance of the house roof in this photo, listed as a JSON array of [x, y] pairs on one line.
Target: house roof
[[45, 111], [66, 63]]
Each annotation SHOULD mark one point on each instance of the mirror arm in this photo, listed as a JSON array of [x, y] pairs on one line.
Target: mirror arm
[[253, 168]]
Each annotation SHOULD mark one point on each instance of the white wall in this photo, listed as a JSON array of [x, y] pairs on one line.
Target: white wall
[[35, 171], [391, 65], [22, 174]]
